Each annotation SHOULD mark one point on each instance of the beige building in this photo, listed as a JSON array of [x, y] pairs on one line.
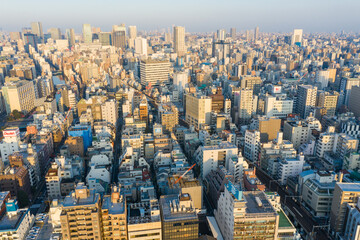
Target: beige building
[[154, 72], [169, 116], [251, 82], [327, 102], [343, 193], [269, 128], [198, 110], [246, 105], [19, 95], [114, 216], [110, 111], [80, 216], [179, 41], [241, 215]]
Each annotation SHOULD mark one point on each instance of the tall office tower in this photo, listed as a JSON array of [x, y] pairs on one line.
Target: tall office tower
[[132, 35], [179, 41], [154, 71], [132, 32], [343, 193], [243, 214], [306, 100], [297, 37], [198, 110], [30, 39], [221, 34], [36, 28], [70, 36], [245, 106], [233, 33], [119, 36], [19, 95], [87, 33], [14, 36], [179, 218], [80, 216], [55, 33], [105, 38], [248, 36], [256, 34], [114, 213], [327, 102], [141, 46], [251, 82]]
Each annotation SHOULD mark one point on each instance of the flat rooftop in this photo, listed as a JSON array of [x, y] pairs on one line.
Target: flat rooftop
[[349, 187], [113, 208], [12, 223], [72, 201], [284, 221]]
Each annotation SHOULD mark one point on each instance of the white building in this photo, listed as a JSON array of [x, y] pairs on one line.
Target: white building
[[179, 41], [290, 167], [322, 77], [252, 145], [247, 105], [15, 223], [198, 110], [181, 79], [278, 106], [352, 222], [10, 143], [109, 111], [141, 46], [210, 157], [306, 100], [339, 143], [297, 37]]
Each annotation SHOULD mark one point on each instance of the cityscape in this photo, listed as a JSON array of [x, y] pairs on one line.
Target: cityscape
[[129, 133]]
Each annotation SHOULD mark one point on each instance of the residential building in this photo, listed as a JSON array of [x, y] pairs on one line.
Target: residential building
[[237, 210], [198, 110], [81, 214], [19, 95], [306, 100], [252, 145], [179, 41]]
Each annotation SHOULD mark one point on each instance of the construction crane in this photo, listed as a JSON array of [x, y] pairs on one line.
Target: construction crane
[[68, 113], [184, 174]]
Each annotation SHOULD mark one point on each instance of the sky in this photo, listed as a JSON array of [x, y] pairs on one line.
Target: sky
[[194, 15]]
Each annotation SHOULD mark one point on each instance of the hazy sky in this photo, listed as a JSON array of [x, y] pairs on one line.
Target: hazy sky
[[195, 15]]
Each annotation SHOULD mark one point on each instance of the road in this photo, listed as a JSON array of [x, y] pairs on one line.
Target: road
[[302, 216]]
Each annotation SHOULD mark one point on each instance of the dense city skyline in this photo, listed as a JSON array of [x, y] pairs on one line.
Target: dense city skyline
[[199, 16]]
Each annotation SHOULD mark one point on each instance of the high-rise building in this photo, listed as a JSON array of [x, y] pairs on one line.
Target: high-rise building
[[70, 35], [141, 46], [306, 100], [346, 85], [110, 111], [242, 214], [154, 71], [87, 33], [278, 105], [343, 193], [221, 34], [233, 33], [198, 110], [81, 214], [251, 82], [179, 41], [36, 28], [19, 95], [30, 39], [246, 105], [178, 216], [55, 33], [119, 36], [256, 34], [354, 100], [297, 37], [105, 38], [327, 101], [132, 35], [169, 116], [252, 145]]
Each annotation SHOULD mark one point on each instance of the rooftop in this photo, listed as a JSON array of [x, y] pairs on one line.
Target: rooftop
[[349, 187], [12, 222]]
